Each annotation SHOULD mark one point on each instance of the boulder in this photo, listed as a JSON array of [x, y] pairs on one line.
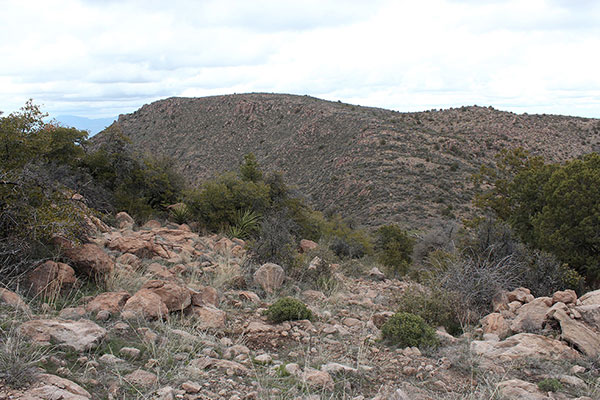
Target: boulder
[[578, 334], [376, 274], [496, 324], [307, 245], [50, 279], [531, 316], [520, 294], [590, 298], [91, 260], [113, 302], [146, 304], [78, 335], [124, 220], [269, 276], [54, 387], [130, 259], [14, 300], [139, 377], [175, 297], [523, 345], [205, 295], [152, 224], [564, 296], [516, 389], [321, 379], [209, 317], [590, 314]]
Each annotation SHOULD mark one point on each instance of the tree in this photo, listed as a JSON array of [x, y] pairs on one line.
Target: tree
[[249, 170]]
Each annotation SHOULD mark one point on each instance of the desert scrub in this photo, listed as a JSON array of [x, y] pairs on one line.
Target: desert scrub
[[550, 385], [19, 358], [408, 330], [288, 309]]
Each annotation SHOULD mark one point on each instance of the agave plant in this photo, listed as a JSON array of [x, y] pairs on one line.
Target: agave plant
[[246, 222], [180, 214]]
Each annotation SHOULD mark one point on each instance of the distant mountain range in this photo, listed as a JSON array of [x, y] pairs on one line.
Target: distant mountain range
[[377, 166], [93, 125]]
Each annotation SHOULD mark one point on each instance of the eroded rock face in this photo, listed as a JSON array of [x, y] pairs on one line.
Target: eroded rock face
[[530, 317], [516, 389], [590, 314], [78, 335], [91, 260], [524, 345], [590, 298], [145, 304], [270, 277], [54, 387], [124, 220], [577, 333], [175, 297], [51, 278], [496, 324]]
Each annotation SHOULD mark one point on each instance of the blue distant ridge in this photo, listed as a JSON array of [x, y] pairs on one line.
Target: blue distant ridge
[[93, 125]]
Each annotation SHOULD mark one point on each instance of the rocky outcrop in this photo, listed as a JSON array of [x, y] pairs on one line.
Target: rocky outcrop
[[577, 333], [78, 335], [523, 345]]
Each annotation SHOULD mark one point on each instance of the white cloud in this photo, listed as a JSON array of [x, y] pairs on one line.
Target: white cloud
[[100, 58]]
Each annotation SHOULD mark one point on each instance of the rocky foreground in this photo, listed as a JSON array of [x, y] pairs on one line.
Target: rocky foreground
[[175, 315]]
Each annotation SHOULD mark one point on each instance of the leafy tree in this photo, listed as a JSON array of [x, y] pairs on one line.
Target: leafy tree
[[552, 207]]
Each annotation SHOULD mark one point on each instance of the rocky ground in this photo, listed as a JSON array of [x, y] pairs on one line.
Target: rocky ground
[[175, 315]]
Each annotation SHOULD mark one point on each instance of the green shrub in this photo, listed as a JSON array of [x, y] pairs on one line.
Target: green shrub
[[180, 214], [345, 241], [288, 309], [394, 249], [550, 385], [408, 330], [436, 306], [246, 223]]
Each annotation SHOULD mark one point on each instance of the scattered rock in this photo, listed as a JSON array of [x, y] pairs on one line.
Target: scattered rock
[[516, 389], [314, 377], [521, 294], [209, 317], [376, 274], [307, 245], [530, 317], [78, 335], [175, 297], [205, 295], [496, 324], [113, 302], [53, 387], [269, 276], [523, 345], [146, 304]]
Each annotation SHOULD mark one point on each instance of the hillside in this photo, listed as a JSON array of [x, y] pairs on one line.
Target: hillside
[[374, 165]]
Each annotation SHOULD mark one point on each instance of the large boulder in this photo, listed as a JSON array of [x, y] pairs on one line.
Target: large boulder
[[590, 314], [590, 298], [78, 335], [91, 260], [175, 297], [564, 296], [523, 345], [124, 220], [520, 294], [209, 317], [496, 324], [516, 389], [54, 387], [113, 302], [50, 279], [531, 316], [269, 276], [578, 334], [145, 304]]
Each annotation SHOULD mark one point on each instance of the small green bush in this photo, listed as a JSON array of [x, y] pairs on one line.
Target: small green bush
[[394, 249], [408, 330], [550, 385], [288, 309]]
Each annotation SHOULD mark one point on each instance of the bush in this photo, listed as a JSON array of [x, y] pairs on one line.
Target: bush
[[436, 306], [550, 385], [288, 309], [394, 249], [345, 241], [408, 330]]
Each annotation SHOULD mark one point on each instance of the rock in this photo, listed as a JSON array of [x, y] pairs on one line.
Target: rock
[[91, 260], [399, 394], [205, 295], [520, 294], [352, 322], [14, 300], [564, 296], [334, 368], [124, 220], [590, 298], [50, 279], [72, 313], [293, 369], [146, 304], [516, 389], [113, 302], [572, 381], [263, 359], [315, 264], [496, 324], [500, 301], [590, 314], [152, 224], [110, 359], [531, 316], [208, 362], [191, 387], [578, 334], [313, 295], [130, 259], [269, 276], [307, 245], [523, 345], [175, 297], [314, 377], [54, 387], [78, 335], [376, 274], [164, 393], [259, 327], [247, 295], [141, 378], [209, 317], [381, 318], [130, 352]]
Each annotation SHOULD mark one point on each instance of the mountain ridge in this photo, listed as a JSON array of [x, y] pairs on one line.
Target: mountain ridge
[[373, 165]]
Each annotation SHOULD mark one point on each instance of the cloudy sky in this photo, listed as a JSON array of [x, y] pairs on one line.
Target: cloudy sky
[[99, 58]]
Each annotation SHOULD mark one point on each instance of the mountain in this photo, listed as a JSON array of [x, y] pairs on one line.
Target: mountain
[[93, 125], [374, 165]]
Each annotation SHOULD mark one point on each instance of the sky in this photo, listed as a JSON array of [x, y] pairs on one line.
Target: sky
[[101, 58]]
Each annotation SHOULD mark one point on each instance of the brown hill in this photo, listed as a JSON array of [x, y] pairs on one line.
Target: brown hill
[[374, 165]]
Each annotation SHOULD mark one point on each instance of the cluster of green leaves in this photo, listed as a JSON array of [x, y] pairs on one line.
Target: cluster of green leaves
[[288, 309], [408, 330], [552, 207], [394, 248]]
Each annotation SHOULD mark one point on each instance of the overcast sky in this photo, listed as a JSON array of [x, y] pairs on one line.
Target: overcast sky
[[100, 58]]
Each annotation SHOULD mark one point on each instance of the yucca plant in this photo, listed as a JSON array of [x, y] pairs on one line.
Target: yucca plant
[[180, 214], [246, 222]]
